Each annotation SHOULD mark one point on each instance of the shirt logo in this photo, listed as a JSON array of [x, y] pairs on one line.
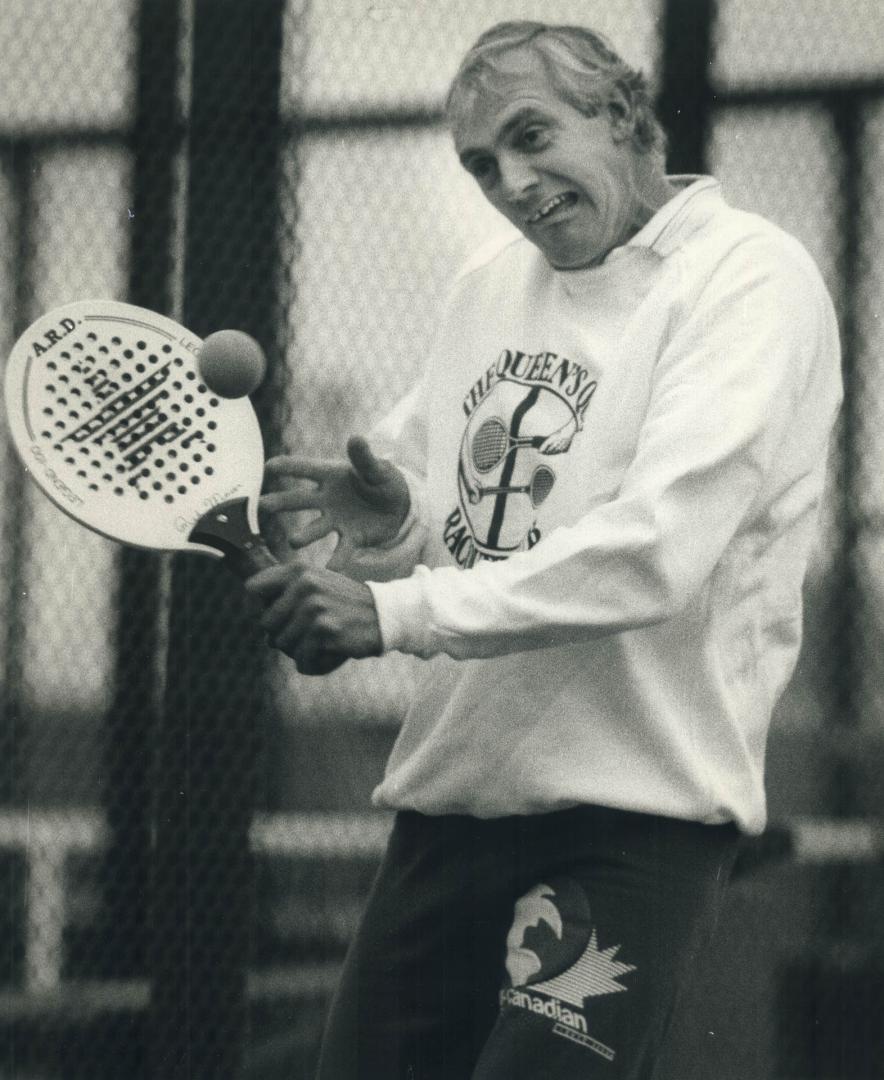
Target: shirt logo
[[521, 414]]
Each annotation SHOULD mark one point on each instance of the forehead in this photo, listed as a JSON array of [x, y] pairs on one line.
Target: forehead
[[498, 90]]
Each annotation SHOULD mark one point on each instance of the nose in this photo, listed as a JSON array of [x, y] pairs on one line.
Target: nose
[[517, 177]]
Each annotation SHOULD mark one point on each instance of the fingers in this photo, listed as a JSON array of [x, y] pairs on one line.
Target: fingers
[[270, 581], [274, 502], [317, 617], [287, 625], [302, 497], [317, 529], [342, 556], [364, 500], [371, 469], [289, 619], [280, 588], [298, 499], [299, 467]]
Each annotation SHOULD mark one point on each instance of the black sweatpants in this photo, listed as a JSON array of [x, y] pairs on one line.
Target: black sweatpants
[[552, 946]]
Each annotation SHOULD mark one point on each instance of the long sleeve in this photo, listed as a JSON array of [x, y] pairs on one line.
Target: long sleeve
[[739, 405]]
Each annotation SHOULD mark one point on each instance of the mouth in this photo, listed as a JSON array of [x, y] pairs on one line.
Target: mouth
[[551, 206]]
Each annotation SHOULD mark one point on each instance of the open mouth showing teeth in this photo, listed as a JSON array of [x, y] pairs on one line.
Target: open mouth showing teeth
[[550, 205]]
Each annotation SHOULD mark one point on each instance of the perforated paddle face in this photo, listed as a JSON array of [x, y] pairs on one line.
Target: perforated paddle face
[[108, 412]]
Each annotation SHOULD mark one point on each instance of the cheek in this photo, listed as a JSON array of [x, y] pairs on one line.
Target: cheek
[[610, 184], [614, 204], [503, 207]]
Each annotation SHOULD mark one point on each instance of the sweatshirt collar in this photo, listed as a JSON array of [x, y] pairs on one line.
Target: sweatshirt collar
[[697, 198], [682, 213]]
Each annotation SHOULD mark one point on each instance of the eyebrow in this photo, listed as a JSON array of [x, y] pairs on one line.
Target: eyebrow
[[520, 116]]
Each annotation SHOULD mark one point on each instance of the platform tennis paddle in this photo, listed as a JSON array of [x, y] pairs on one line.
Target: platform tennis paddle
[[112, 420]]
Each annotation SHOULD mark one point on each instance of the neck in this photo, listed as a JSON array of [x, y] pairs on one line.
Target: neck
[[652, 188]]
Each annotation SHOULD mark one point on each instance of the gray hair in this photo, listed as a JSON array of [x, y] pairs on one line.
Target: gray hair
[[581, 65]]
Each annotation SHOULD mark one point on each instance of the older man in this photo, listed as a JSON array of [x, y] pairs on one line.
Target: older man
[[599, 520]]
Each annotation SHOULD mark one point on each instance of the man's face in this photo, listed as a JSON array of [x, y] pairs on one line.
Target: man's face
[[563, 178]]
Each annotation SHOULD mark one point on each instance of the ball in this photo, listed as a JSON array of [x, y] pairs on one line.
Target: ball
[[231, 363]]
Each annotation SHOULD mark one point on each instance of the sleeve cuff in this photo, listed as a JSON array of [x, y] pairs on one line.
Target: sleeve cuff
[[404, 614]]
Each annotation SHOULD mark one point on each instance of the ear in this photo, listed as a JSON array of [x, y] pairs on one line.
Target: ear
[[621, 115]]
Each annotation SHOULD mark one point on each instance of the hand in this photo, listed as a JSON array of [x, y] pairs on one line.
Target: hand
[[365, 501], [317, 617]]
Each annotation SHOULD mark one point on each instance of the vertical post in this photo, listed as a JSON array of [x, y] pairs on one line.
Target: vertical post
[[133, 715], [845, 615], [844, 110], [831, 999], [685, 101], [13, 720], [12, 777], [214, 700]]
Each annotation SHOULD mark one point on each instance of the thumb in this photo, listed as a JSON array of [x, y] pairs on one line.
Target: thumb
[[373, 470]]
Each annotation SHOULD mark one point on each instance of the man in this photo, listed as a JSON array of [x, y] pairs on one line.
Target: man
[[599, 525]]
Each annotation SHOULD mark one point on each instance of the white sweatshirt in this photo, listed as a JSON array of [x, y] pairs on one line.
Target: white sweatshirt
[[617, 472]]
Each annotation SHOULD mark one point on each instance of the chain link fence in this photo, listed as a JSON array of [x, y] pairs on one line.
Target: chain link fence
[[185, 827]]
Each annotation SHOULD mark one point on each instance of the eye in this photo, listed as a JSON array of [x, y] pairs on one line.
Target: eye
[[533, 137]]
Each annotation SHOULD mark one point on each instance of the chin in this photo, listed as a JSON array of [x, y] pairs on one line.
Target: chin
[[576, 262], [576, 258]]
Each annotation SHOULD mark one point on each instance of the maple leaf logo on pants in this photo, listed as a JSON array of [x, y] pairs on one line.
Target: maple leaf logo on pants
[[553, 946]]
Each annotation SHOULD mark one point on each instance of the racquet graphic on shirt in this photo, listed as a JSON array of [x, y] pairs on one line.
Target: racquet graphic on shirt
[[492, 442], [110, 417], [537, 489]]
